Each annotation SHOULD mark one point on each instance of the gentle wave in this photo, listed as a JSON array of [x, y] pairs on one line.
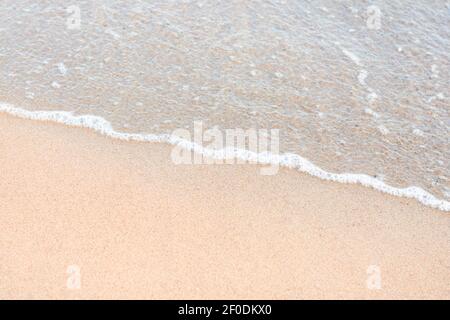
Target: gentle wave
[[290, 160]]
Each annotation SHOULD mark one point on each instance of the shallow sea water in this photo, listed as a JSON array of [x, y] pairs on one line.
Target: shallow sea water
[[353, 86]]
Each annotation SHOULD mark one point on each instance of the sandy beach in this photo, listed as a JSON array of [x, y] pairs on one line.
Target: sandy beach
[[126, 222]]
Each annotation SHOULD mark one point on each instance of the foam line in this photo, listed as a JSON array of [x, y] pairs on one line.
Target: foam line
[[289, 160]]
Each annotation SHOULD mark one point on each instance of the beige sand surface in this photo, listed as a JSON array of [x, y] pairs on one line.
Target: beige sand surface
[[138, 226]]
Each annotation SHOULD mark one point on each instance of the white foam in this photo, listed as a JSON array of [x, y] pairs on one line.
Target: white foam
[[352, 56], [55, 85], [279, 75], [371, 97], [371, 112], [289, 160], [383, 129], [62, 68], [362, 77], [418, 132], [112, 33]]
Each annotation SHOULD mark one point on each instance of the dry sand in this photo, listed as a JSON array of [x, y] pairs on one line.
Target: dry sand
[[138, 226]]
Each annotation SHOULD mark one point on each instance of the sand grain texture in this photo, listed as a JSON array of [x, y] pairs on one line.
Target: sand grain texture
[[140, 227]]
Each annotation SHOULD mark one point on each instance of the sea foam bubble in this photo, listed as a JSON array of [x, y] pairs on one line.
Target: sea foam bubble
[[290, 160]]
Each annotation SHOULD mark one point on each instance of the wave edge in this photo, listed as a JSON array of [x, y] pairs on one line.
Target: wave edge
[[289, 160]]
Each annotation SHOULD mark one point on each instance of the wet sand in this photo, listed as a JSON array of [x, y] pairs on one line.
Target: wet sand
[[137, 226]]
